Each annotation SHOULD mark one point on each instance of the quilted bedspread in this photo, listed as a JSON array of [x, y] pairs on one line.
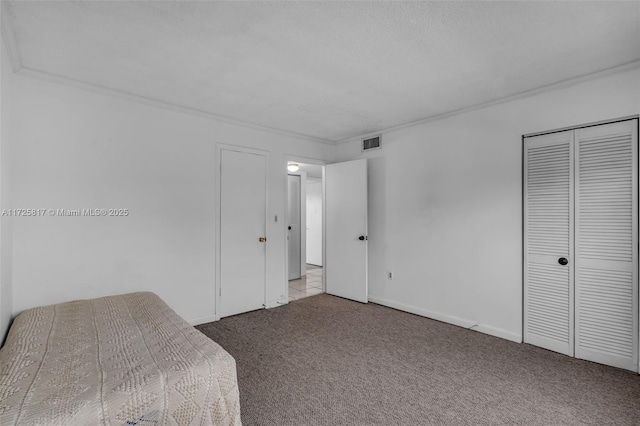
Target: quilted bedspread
[[117, 360]]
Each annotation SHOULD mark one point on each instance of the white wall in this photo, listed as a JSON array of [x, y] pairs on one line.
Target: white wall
[[79, 149], [6, 297], [314, 221], [445, 203]]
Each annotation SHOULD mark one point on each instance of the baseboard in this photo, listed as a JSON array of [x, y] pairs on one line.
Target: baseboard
[[203, 320], [449, 319], [276, 303], [498, 332], [214, 317]]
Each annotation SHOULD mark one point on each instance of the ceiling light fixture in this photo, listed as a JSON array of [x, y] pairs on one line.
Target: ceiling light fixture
[[293, 167]]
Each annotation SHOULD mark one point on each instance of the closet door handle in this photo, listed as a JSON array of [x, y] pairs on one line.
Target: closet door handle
[[563, 261]]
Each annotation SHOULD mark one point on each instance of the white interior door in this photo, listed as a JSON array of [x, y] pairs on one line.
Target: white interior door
[[242, 226], [607, 244], [346, 230], [548, 254], [294, 233]]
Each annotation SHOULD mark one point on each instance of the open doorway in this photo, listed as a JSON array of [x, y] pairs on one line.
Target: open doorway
[[304, 230]]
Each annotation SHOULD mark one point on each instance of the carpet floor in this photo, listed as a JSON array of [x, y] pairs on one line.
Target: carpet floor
[[324, 360]]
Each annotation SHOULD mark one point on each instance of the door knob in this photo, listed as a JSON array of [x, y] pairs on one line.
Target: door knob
[[362, 238], [289, 228], [563, 261], [262, 239]]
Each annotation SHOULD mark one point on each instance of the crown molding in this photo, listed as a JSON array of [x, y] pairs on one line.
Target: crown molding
[[65, 81], [553, 86], [9, 36]]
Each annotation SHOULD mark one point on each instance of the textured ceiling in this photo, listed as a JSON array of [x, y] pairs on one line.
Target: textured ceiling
[[331, 70]]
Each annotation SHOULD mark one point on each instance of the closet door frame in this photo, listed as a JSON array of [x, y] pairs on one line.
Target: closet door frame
[[636, 242]]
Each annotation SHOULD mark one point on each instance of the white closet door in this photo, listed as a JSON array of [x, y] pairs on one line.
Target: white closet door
[[548, 223], [606, 244]]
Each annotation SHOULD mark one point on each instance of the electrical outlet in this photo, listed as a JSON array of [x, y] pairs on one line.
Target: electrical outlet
[[390, 275]]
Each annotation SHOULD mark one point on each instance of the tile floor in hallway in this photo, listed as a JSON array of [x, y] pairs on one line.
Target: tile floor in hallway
[[308, 285]]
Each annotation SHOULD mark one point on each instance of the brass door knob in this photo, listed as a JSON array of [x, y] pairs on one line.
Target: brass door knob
[[262, 239]]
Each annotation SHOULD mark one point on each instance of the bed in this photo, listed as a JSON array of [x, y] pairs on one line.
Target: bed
[[117, 360]]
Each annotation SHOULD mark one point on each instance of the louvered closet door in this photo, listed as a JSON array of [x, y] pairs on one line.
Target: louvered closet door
[[606, 244], [548, 222]]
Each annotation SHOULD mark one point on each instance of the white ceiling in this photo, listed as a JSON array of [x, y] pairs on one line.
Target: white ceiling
[[330, 70]]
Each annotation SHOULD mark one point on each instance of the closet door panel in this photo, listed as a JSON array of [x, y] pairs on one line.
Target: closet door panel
[[606, 244], [548, 223]]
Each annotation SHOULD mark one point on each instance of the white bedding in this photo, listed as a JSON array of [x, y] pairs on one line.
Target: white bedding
[[118, 360]]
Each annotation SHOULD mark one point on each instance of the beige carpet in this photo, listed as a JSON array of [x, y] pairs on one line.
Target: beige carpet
[[329, 361]]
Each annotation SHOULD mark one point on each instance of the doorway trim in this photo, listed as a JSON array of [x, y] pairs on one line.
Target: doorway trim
[[218, 220], [285, 173]]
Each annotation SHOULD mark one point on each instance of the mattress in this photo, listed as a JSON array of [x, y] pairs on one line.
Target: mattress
[[117, 360]]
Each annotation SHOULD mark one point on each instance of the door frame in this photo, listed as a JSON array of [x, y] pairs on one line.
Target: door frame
[[285, 173], [523, 165], [218, 211]]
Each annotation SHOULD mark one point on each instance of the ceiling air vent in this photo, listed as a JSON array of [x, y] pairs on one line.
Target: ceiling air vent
[[371, 143]]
